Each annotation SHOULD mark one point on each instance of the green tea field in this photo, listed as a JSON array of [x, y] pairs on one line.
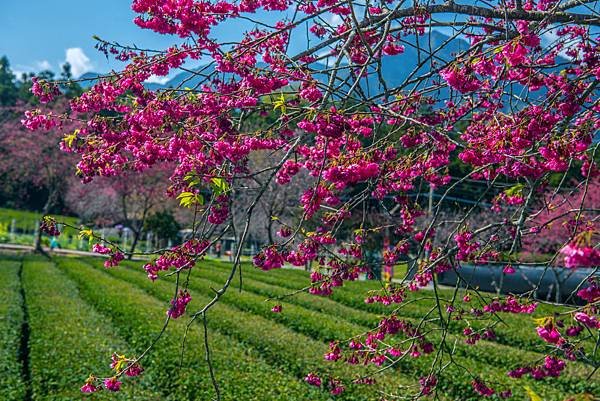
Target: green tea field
[[62, 319]]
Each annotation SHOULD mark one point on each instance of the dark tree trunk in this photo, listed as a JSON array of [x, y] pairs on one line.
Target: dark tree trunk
[[269, 228], [37, 245], [136, 238], [137, 233]]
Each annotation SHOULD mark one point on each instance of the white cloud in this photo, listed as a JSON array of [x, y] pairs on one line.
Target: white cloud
[[330, 59], [18, 73], [335, 20], [80, 63], [155, 79], [43, 65]]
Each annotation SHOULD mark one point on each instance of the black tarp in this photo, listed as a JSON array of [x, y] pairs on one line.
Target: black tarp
[[543, 282]]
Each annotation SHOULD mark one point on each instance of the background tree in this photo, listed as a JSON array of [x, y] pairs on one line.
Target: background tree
[[8, 88], [163, 226], [128, 200], [277, 207], [572, 209], [35, 173], [33, 168]]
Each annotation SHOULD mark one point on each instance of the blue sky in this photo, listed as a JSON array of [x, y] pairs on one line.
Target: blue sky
[[37, 34], [43, 34]]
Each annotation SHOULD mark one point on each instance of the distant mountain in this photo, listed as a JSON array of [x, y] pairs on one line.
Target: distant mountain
[[413, 63], [90, 78], [395, 70]]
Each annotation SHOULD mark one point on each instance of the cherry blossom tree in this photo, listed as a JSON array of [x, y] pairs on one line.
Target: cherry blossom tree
[[277, 208], [34, 158], [128, 199], [510, 96], [564, 212]]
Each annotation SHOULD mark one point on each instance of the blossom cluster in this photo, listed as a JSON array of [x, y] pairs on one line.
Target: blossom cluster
[[179, 304], [575, 256], [334, 385], [49, 226], [182, 256], [552, 367], [120, 364], [114, 256]]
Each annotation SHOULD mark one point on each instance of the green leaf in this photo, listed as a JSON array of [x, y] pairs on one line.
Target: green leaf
[[532, 394], [280, 104], [187, 199], [192, 179], [515, 190], [70, 138], [543, 321], [86, 233], [219, 185]]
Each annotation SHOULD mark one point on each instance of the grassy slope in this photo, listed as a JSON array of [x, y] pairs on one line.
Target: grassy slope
[[79, 315], [487, 359], [241, 371], [282, 347], [11, 317], [25, 220], [68, 338]]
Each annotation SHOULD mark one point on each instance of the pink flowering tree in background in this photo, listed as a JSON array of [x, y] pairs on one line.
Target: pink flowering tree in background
[[28, 158], [515, 104], [574, 210], [127, 199], [277, 208]]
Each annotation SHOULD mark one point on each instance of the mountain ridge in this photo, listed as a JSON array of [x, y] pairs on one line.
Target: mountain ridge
[[392, 74]]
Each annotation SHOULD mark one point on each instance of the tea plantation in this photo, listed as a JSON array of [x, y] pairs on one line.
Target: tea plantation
[[62, 319]]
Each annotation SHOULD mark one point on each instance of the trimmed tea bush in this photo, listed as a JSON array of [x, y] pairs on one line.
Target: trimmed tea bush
[[12, 387]]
